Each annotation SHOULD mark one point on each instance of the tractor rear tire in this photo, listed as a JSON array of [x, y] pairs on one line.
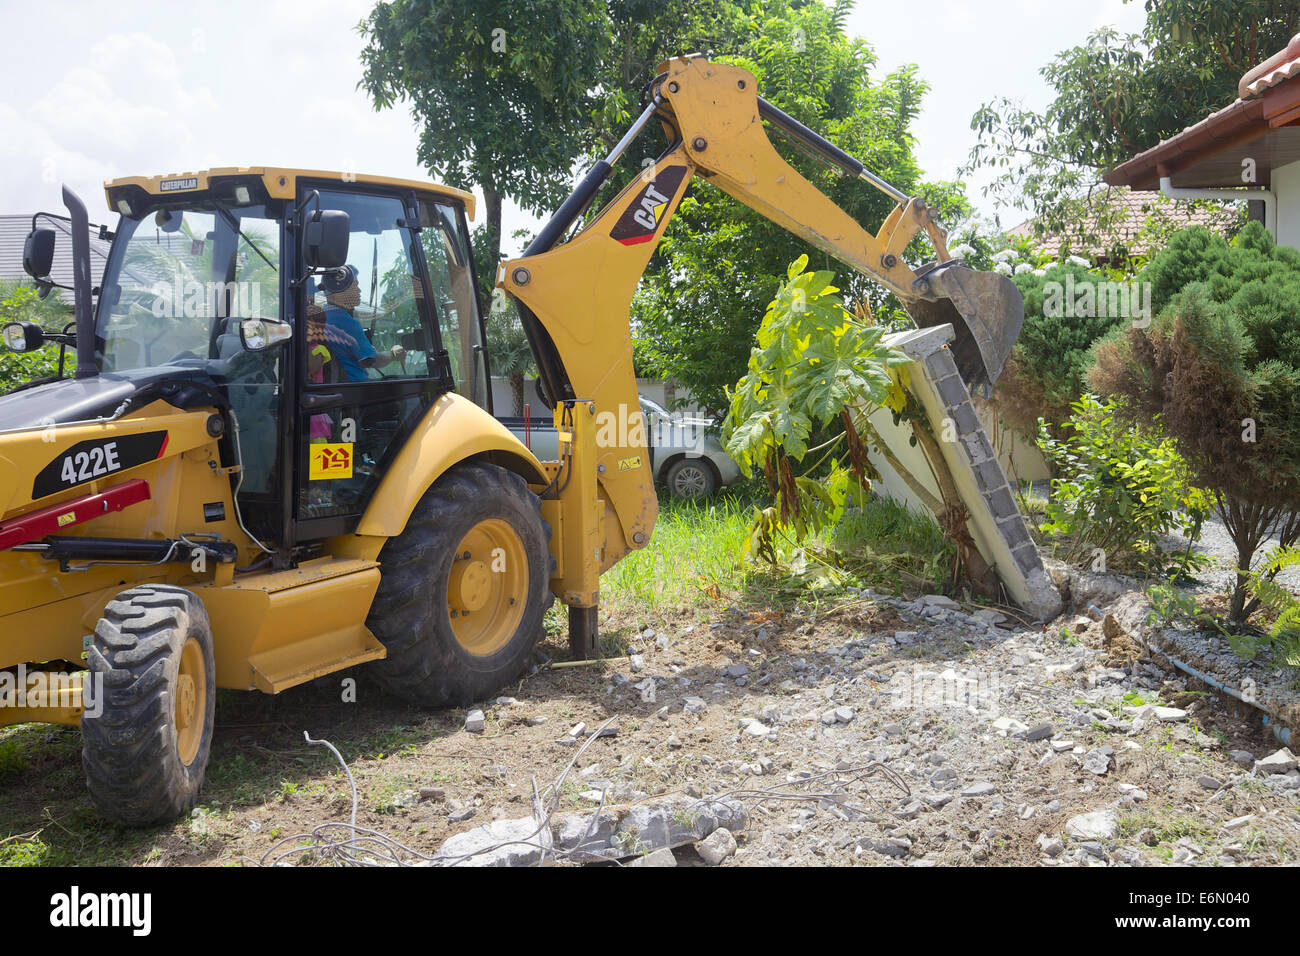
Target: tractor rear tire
[[147, 736], [463, 589]]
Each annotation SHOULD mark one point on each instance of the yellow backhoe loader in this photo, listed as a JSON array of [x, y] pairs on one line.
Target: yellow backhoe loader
[[276, 456]]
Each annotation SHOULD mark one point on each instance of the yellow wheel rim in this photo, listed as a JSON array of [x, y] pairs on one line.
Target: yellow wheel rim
[[487, 588], [191, 701]]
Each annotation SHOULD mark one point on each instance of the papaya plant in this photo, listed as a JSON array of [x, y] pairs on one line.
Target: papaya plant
[[814, 363], [819, 368]]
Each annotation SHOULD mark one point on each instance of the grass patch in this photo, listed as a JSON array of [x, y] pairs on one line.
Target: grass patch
[[885, 543], [1167, 826], [694, 556]]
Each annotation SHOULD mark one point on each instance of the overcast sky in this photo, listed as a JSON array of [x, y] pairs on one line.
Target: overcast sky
[[91, 90]]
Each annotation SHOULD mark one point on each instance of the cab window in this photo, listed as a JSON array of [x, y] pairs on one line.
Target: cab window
[[364, 321], [455, 298]]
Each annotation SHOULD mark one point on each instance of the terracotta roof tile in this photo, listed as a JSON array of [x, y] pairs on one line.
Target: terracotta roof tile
[[1137, 206], [1271, 79]]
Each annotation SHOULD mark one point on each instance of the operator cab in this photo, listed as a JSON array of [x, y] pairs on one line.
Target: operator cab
[[329, 311]]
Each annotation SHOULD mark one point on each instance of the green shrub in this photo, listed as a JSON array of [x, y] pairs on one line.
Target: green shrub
[[1047, 368], [1122, 488], [1220, 369], [19, 369], [1285, 631], [19, 303], [1196, 254]]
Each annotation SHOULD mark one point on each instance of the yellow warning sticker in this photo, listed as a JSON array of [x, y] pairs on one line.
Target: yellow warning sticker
[[627, 464], [67, 519], [330, 461]]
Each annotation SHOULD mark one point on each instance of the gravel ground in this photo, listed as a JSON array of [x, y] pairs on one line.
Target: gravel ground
[[871, 731], [1216, 542], [890, 731]]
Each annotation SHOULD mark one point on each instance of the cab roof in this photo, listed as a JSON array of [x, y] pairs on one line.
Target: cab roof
[[280, 182]]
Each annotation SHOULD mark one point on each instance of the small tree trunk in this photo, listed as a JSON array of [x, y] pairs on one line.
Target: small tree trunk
[[517, 391], [492, 208], [1247, 523]]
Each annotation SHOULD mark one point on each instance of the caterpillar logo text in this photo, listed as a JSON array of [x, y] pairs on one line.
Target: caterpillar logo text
[[640, 221]]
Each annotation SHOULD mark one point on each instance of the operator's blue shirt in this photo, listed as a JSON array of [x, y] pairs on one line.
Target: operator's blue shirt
[[351, 355]]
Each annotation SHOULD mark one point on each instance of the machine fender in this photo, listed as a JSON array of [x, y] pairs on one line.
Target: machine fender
[[453, 430]]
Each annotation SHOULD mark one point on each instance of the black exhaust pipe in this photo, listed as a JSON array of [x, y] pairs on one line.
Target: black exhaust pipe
[[80, 222]]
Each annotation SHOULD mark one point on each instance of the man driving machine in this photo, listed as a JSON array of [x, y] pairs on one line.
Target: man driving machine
[[353, 349]]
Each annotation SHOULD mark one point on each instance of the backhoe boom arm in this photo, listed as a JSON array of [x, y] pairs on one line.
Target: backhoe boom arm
[[574, 297]]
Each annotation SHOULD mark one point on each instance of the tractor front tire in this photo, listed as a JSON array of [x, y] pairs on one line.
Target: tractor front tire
[[463, 589], [147, 733]]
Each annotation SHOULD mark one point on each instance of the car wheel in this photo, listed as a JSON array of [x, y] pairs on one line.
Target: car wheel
[[691, 479]]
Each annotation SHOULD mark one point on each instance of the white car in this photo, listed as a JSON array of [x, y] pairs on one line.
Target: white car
[[685, 453]]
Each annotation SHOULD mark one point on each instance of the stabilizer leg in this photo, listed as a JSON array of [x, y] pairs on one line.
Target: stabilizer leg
[[584, 632]]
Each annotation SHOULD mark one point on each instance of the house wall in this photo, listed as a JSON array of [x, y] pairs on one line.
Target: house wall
[[1286, 187], [1019, 457]]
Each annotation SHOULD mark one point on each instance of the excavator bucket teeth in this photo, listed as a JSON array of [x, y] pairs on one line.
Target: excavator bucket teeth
[[985, 310]]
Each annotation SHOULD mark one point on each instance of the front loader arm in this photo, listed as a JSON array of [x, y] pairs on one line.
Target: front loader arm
[[574, 298]]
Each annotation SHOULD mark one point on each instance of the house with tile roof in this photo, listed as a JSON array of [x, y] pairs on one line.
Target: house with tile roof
[[13, 233], [1123, 223], [1247, 151]]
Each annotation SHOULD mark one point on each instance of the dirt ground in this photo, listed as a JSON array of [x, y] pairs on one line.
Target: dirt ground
[[817, 722]]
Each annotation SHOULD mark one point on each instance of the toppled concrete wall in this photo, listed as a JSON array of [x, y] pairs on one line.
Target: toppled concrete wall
[[995, 521]]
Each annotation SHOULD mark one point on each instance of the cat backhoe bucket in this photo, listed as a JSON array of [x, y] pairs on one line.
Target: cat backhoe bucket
[[985, 309]]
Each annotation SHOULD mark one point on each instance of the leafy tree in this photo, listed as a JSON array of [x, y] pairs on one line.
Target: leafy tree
[[647, 32], [814, 363], [816, 366], [512, 356], [20, 303], [721, 262], [502, 92], [510, 96], [1220, 366], [1115, 96]]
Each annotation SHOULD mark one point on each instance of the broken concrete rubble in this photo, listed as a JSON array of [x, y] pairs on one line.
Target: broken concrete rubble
[[612, 833]]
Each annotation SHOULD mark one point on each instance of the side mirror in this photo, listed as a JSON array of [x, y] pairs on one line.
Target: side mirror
[[38, 252], [168, 221], [325, 240], [258, 335], [23, 336]]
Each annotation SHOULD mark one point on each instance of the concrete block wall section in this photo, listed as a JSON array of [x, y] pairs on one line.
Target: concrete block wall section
[[992, 506]]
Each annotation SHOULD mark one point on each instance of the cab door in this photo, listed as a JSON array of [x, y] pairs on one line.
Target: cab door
[[369, 358]]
